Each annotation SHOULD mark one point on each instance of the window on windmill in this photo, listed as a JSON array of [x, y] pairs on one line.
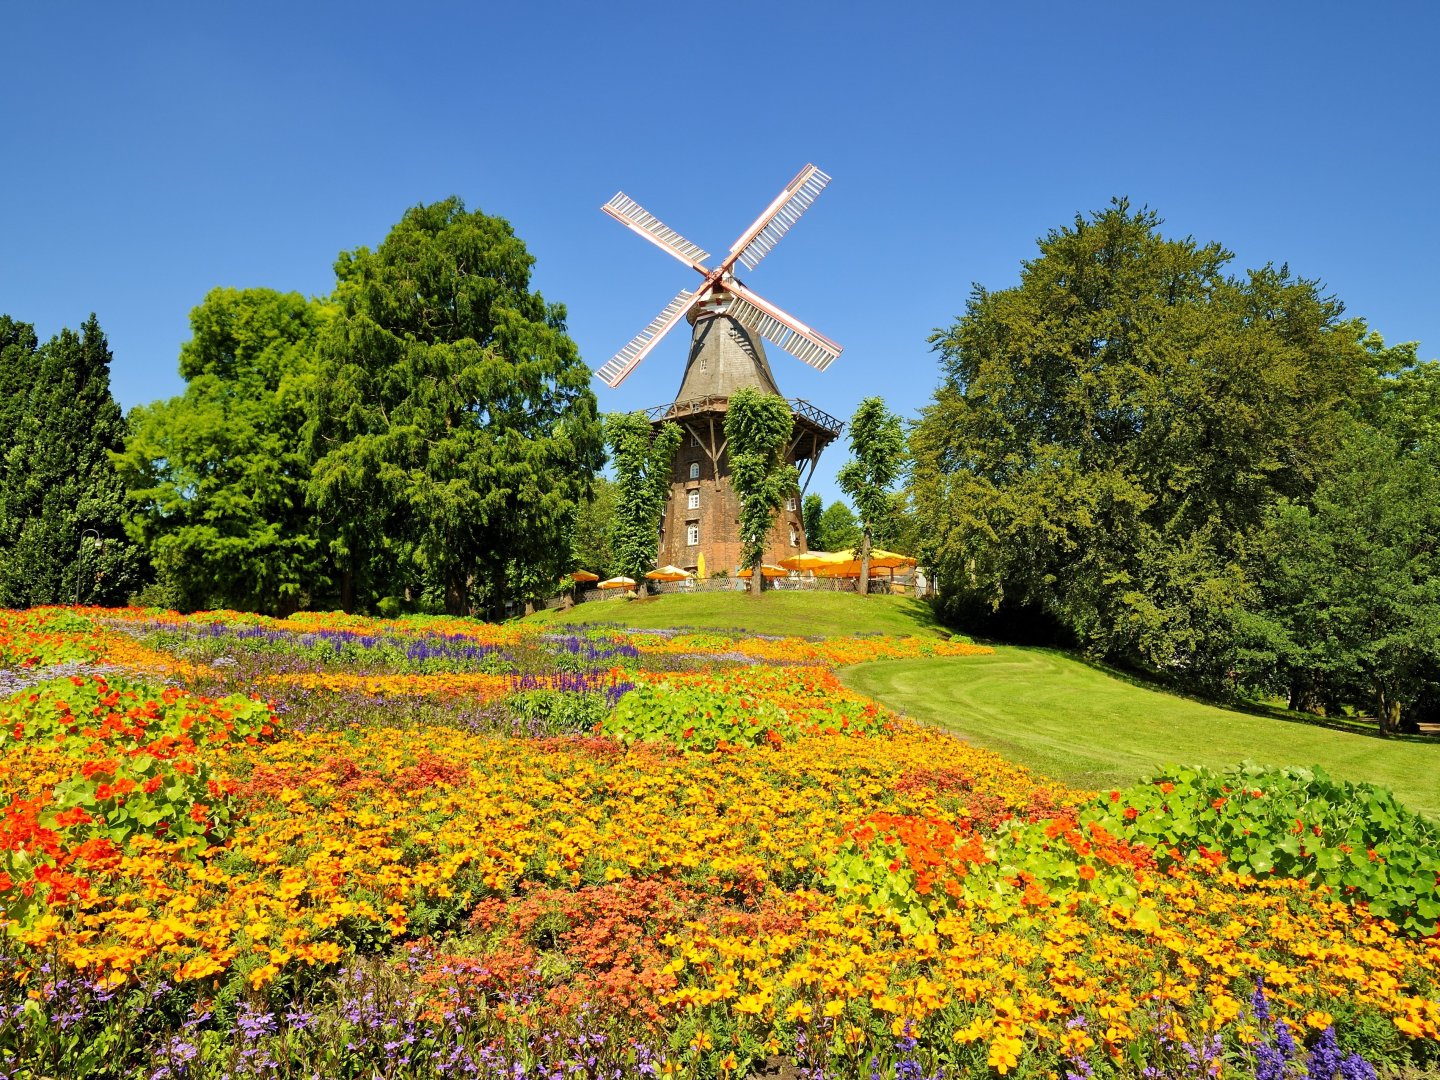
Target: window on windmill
[[694, 500], [694, 470], [794, 537], [694, 437], [790, 503], [692, 535]]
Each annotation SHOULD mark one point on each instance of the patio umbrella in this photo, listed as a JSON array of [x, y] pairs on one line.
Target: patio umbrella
[[583, 575], [767, 570], [887, 559], [808, 561], [847, 563], [668, 573], [618, 583]]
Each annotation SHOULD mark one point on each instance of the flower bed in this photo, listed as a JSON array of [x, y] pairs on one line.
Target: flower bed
[[332, 846]]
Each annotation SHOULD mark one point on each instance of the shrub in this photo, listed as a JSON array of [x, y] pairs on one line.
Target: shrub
[[1288, 822]]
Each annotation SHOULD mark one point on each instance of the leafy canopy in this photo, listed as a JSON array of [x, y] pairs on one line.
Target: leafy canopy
[[455, 432], [217, 476], [757, 431], [644, 460], [877, 446], [1110, 431]]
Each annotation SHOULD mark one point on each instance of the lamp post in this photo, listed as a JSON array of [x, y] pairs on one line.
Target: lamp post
[[80, 560]]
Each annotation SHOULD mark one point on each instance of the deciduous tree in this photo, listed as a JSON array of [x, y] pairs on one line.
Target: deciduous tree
[[1129, 400], [877, 446], [811, 511], [217, 476], [644, 459], [839, 527], [757, 429]]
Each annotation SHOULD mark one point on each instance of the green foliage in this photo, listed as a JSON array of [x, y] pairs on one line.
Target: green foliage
[[1288, 822], [644, 460], [455, 431], [218, 475], [705, 717], [591, 548], [839, 528], [61, 502], [877, 446], [812, 509], [1111, 432], [757, 428], [1352, 600], [43, 636], [695, 717], [557, 712]]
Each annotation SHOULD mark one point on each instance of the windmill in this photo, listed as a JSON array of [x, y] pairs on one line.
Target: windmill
[[729, 321]]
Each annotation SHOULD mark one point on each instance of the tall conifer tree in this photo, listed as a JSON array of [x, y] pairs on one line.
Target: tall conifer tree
[[61, 500]]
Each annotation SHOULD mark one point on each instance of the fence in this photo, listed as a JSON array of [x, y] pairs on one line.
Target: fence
[[906, 583]]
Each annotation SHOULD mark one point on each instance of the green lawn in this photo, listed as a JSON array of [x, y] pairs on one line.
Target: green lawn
[[802, 613], [1086, 728]]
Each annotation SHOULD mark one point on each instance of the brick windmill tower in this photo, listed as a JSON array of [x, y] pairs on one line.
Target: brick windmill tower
[[700, 527]]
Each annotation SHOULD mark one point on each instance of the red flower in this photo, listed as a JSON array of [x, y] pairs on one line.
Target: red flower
[[1131, 813]]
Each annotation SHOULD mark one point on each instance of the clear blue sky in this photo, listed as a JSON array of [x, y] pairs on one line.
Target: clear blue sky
[[156, 151]]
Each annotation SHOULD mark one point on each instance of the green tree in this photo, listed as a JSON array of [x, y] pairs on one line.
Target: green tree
[[757, 429], [1352, 581], [811, 511], [877, 446], [839, 527], [591, 548], [61, 502], [454, 432], [217, 476], [1109, 432], [19, 373], [644, 459]]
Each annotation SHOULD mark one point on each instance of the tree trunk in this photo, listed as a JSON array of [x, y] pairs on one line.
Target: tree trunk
[[1387, 711], [1304, 697], [347, 590], [865, 562], [457, 594], [529, 607], [757, 580]]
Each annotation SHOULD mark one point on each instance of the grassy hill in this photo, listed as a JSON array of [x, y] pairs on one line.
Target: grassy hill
[[1083, 726], [801, 613]]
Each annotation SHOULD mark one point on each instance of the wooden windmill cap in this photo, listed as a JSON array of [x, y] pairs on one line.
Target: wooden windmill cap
[[725, 356]]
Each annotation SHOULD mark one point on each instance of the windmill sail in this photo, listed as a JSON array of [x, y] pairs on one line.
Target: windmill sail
[[775, 326], [624, 362], [634, 216], [770, 227]]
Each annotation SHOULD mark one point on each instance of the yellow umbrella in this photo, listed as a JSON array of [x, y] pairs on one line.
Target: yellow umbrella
[[847, 563], [700, 565], [808, 561], [888, 559], [583, 575], [766, 570], [618, 583], [668, 573]]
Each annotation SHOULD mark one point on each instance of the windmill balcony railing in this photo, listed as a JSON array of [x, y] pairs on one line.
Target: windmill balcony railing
[[799, 406]]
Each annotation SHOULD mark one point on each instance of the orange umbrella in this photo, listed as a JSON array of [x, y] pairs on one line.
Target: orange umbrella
[[811, 560], [669, 573], [618, 583], [583, 575], [766, 570]]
